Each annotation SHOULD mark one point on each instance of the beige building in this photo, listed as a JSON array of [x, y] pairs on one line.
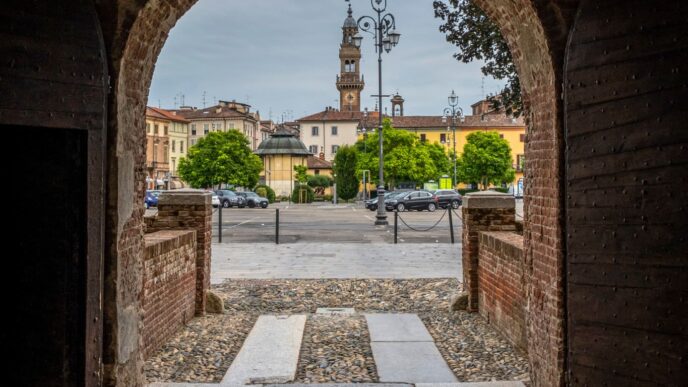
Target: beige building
[[325, 132], [226, 115]]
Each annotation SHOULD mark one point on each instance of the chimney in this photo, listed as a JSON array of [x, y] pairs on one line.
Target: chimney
[[322, 155]]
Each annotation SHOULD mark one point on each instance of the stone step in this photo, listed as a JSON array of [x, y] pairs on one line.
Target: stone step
[[270, 352], [404, 350]]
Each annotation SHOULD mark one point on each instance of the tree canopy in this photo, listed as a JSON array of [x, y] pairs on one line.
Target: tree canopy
[[345, 162], [406, 158], [478, 38], [486, 160], [221, 157]]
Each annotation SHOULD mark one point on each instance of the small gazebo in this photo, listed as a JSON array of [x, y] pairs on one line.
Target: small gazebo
[[280, 153]]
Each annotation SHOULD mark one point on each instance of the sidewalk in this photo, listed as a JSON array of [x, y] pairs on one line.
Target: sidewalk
[[334, 260]]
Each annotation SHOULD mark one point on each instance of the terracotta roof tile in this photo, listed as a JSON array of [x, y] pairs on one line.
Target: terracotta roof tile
[[318, 163], [164, 114]]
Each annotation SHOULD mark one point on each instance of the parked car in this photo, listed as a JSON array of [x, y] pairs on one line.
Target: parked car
[[151, 199], [215, 200], [449, 197], [230, 199], [253, 200], [413, 200]]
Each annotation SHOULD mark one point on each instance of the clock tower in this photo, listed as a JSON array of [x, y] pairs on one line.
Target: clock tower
[[349, 81]]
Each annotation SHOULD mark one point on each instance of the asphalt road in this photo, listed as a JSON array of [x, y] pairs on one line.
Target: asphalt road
[[326, 223]]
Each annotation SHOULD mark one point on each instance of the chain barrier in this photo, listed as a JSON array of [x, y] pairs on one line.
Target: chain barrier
[[458, 214], [428, 229]]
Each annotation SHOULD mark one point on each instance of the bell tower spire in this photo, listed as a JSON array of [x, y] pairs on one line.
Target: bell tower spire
[[349, 81]]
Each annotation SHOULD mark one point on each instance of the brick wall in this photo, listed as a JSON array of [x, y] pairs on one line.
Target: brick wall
[[501, 284], [169, 285]]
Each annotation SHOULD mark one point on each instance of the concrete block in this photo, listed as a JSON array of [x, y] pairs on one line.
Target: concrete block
[[396, 327], [270, 353], [410, 362]]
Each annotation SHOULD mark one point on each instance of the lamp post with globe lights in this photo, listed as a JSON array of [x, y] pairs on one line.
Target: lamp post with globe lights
[[383, 28], [453, 113]]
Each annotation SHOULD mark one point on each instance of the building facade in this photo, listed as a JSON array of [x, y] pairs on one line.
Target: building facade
[[325, 132], [226, 115], [157, 149], [280, 154], [178, 142]]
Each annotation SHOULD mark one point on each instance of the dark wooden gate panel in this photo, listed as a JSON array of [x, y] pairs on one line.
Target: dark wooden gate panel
[[626, 119], [53, 94]]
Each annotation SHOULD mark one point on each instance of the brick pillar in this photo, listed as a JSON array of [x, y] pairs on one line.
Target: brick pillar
[[482, 211], [190, 209]]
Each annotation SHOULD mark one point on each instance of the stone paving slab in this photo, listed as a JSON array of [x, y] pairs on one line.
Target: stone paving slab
[[270, 353], [397, 327], [334, 261], [474, 384], [410, 362], [166, 384]]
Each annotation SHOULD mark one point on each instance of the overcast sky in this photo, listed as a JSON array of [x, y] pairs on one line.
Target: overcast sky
[[281, 56]]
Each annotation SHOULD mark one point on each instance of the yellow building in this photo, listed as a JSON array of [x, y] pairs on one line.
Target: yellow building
[[280, 153], [157, 149], [437, 129], [226, 115]]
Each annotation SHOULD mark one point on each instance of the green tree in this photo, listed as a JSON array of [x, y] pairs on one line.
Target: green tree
[[406, 157], [221, 157], [319, 183], [345, 172], [268, 191], [478, 38], [486, 160], [301, 173]]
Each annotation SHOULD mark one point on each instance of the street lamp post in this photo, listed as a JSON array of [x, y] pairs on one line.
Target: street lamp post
[[454, 112], [383, 28]]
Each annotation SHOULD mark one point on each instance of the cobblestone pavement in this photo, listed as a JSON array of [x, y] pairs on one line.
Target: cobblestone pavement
[[204, 349]]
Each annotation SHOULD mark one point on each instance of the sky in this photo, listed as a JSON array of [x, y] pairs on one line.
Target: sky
[[281, 57]]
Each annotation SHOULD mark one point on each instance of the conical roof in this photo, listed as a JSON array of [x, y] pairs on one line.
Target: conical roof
[[282, 143]]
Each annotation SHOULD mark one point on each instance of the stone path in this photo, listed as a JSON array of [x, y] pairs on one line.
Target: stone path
[[270, 352], [404, 351], [334, 260]]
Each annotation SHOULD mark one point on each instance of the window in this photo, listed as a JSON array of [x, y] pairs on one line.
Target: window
[[193, 142], [193, 129], [148, 128], [313, 149], [165, 130], [523, 137], [231, 125], [422, 137], [443, 138], [205, 129], [166, 155], [181, 146], [335, 148], [520, 162], [334, 130], [155, 129], [314, 131], [174, 147]]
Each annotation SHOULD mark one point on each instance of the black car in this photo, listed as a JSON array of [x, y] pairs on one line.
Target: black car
[[413, 200], [253, 200], [449, 197], [230, 199]]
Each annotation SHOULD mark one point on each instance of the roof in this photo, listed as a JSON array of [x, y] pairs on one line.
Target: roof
[[350, 22], [318, 163], [332, 115], [217, 111], [164, 114], [282, 143], [487, 120]]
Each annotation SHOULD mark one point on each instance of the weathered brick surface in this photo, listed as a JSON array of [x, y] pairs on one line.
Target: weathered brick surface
[[189, 209], [169, 285], [501, 284]]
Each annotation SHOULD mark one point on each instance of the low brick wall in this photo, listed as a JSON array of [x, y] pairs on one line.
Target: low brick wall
[[169, 285], [501, 284]]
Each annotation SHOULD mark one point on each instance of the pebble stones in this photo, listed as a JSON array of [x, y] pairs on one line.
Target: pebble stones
[[331, 350], [336, 349]]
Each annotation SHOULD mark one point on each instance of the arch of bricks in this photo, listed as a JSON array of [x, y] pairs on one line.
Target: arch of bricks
[[135, 32]]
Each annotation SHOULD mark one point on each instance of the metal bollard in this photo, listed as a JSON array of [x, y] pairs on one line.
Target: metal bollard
[[396, 225], [451, 223], [277, 226], [219, 223]]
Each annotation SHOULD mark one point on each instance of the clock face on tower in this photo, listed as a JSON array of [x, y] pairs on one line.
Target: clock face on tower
[[350, 97]]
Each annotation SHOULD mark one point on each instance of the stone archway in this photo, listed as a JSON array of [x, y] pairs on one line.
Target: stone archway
[[536, 33]]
